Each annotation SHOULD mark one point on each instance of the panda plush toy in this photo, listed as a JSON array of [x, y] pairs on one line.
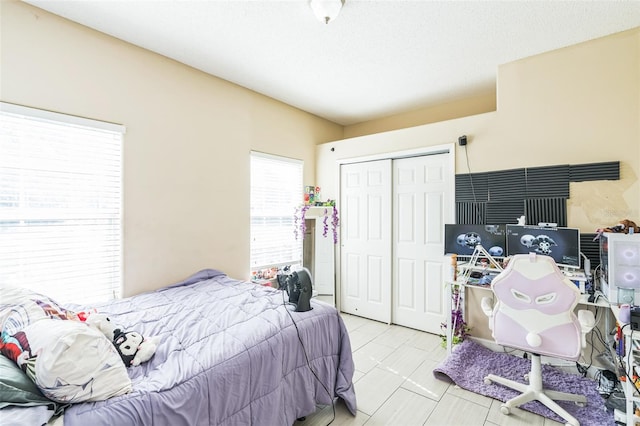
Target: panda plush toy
[[133, 348]]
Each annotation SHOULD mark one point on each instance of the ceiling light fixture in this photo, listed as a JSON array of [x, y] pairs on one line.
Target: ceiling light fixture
[[326, 10]]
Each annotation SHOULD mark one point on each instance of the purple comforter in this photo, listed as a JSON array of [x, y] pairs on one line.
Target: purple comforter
[[229, 355]]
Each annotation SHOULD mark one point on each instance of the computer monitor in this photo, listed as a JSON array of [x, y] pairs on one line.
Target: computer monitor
[[462, 239], [562, 244]]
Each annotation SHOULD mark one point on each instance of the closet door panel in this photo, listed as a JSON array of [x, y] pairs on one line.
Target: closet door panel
[[408, 291], [365, 251], [417, 240]]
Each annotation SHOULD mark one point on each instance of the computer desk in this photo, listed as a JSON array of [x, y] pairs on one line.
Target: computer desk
[[609, 312], [600, 302]]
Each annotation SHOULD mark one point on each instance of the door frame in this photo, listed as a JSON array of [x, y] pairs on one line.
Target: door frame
[[448, 149]]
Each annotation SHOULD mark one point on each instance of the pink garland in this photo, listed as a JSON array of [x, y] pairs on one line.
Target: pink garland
[[335, 222], [298, 221], [325, 225]]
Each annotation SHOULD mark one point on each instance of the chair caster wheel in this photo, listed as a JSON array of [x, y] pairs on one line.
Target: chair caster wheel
[[487, 381], [505, 410]]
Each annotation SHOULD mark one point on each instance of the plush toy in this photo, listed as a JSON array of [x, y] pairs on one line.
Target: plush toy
[[146, 350], [133, 348], [625, 227], [102, 323]]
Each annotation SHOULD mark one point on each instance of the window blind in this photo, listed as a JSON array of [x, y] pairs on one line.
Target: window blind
[[276, 191], [60, 204]]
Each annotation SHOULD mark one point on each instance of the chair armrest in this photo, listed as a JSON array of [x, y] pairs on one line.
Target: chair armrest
[[587, 321], [487, 306]]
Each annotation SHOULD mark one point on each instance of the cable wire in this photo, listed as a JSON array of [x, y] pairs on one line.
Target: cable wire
[[304, 351], [473, 191]]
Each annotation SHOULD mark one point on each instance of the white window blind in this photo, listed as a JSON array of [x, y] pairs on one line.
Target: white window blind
[[60, 204], [276, 191]]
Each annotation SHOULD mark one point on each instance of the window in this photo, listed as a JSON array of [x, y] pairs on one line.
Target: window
[[60, 204], [276, 191]]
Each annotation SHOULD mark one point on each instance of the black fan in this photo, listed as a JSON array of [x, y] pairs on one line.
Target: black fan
[[299, 286]]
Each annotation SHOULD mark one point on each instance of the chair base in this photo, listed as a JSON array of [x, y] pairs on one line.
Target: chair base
[[534, 391]]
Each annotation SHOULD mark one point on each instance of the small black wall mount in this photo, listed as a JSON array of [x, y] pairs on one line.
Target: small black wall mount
[[462, 140]]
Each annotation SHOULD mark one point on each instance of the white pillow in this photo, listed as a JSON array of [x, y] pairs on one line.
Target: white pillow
[[72, 362], [20, 307], [67, 359]]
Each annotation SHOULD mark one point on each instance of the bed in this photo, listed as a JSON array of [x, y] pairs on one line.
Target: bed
[[230, 353]]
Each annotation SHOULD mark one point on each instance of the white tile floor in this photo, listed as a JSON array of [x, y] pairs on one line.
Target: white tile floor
[[395, 385]]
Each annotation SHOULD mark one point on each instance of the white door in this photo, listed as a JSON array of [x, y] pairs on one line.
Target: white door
[[421, 205], [365, 252]]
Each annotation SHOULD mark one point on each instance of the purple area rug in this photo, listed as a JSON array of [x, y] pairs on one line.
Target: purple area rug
[[470, 362]]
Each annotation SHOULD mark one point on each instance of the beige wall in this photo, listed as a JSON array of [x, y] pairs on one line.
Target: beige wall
[[478, 104], [575, 105], [578, 104], [186, 151]]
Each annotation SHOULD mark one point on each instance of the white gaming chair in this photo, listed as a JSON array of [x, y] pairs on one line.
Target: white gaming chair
[[534, 312]]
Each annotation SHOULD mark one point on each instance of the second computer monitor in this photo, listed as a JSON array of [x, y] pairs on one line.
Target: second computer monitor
[[562, 244]]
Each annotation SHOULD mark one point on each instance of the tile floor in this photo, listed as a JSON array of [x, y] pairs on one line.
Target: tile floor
[[395, 385]]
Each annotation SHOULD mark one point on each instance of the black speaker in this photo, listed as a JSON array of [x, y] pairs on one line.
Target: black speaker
[[635, 317], [462, 140]]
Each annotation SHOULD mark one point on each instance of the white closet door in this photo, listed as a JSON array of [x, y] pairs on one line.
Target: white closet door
[[421, 204], [365, 272]]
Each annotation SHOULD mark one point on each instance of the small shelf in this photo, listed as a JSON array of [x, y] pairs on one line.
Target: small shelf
[[318, 211]]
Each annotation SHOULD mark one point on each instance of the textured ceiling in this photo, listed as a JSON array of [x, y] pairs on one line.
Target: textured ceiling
[[376, 59]]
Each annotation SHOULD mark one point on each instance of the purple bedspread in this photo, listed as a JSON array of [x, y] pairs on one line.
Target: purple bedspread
[[229, 355]]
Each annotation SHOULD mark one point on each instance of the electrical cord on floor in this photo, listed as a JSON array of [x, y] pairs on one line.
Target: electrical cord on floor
[[304, 351], [582, 369]]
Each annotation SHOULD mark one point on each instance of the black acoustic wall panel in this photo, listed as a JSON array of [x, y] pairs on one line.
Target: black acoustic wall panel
[[507, 185], [470, 213], [595, 171], [540, 193], [472, 187], [532, 182], [552, 181], [504, 211], [549, 210]]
